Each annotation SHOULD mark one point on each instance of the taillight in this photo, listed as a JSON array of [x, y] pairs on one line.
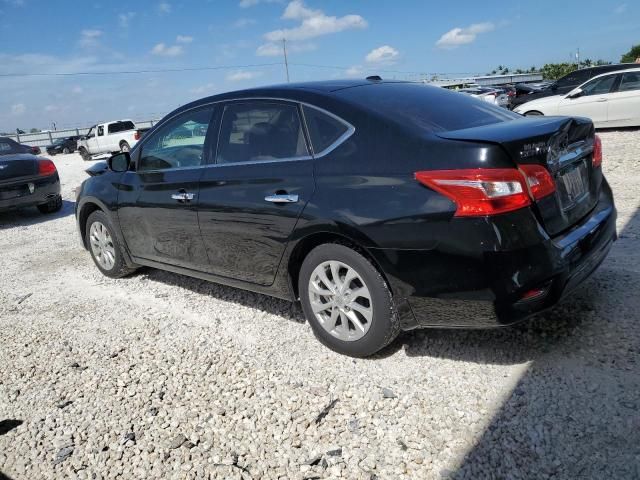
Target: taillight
[[597, 152], [539, 181], [136, 135], [46, 167], [481, 191]]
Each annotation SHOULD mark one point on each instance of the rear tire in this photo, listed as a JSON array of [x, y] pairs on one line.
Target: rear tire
[[52, 206], [533, 113], [65, 150], [104, 247], [360, 316]]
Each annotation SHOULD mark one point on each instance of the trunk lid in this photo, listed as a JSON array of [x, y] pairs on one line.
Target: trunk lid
[[564, 146], [16, 166]]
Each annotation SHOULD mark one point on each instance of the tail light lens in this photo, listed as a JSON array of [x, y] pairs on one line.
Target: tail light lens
[[539, 181], [46, 167], [136, 135], [491, 191], [597, 152], [479, 192]]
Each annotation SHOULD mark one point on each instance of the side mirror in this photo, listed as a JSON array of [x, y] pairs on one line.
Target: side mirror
[[575, 93], [119, 162]]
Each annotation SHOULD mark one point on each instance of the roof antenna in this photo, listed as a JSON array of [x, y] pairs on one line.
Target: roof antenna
[[374, 78]]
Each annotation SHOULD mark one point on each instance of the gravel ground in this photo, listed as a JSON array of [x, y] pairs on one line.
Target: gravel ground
[[162, 376]]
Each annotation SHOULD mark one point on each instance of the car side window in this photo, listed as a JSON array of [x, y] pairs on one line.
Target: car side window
[[324, 129], [598, 86], [260, 131], [179, 143], [100, 130], [630, 81]]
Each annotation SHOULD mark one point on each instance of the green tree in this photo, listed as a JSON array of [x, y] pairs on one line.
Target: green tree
[[553, 71], [631, 55]]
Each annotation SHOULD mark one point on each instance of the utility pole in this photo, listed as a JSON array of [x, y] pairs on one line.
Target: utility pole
[[286, 63], [578, 56]]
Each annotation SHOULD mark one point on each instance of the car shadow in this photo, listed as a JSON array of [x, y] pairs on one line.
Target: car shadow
[[22, 217], [7, 425], [265, 303], [575, 413]]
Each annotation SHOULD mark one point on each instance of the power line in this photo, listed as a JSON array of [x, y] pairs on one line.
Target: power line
[[134, 72]]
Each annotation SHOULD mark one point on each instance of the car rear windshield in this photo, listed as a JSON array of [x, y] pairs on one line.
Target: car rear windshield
[[8, 147], [426, 108], [121, 126]]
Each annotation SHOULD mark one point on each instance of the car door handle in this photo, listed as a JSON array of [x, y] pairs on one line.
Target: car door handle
[[601, 100], [183, 196], [281, 198]]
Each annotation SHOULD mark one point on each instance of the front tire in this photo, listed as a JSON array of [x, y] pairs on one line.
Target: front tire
[[65, 150], [104, 247], [84, 154], [52, 206], [124, 147], [347, 301]]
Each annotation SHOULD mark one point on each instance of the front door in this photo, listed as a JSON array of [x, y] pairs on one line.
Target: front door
[[158, 203], [250, 200], [593, 101]]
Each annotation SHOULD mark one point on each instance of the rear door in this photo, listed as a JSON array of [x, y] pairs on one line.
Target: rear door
[[624, 103], [593, 103], [158, 202], [251, 198]]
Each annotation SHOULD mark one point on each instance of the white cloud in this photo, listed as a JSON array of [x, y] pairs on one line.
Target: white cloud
[[164, 8], [620, 9], [462, 36], [208, 88], [314, 23], [184, 39], [243, 22], [242, 75], [167, 50], [18, 109], [89, 37], [251, 3], [125, 18], [354, 71], [384, 55], [77, 89], [275, 49]]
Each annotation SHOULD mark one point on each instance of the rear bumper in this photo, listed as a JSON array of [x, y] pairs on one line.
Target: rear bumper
[[17, 194], [483, 286]]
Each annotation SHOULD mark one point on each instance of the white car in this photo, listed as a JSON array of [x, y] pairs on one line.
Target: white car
[[488, 94], [609, 100], [109, 137]]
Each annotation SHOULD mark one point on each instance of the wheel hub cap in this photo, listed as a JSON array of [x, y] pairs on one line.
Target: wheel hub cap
[[340, 300], [102, 245]]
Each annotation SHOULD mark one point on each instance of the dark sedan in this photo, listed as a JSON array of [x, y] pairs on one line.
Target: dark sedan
[[63, 145], [381, 206], [27, 180]]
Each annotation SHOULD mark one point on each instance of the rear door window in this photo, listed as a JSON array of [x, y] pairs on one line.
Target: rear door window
[[324, 129], [630, 81], [116, 127], [260, 131]]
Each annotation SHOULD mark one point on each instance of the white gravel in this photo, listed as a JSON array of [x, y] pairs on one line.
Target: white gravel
[[163, 376]]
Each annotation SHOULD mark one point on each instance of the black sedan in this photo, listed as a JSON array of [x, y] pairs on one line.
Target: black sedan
[[27, 180], [63, 145], [381, 206]]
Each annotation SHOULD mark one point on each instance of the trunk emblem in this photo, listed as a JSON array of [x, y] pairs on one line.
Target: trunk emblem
[[32, 188]]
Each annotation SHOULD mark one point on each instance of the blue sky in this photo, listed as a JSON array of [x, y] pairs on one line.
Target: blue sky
[[400, 39]]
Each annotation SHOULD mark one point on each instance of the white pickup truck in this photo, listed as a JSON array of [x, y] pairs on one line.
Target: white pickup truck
[[118, 136]]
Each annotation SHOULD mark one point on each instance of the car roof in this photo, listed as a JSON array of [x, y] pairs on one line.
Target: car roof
[[613, 72]]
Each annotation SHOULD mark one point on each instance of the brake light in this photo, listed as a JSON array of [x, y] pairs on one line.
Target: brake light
[[539, 181], [479, 192], [46, 167], [597, 152], [136, 135]]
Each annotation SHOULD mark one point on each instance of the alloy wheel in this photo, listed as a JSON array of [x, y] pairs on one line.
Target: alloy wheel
[[340, 300], [102, 245]]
